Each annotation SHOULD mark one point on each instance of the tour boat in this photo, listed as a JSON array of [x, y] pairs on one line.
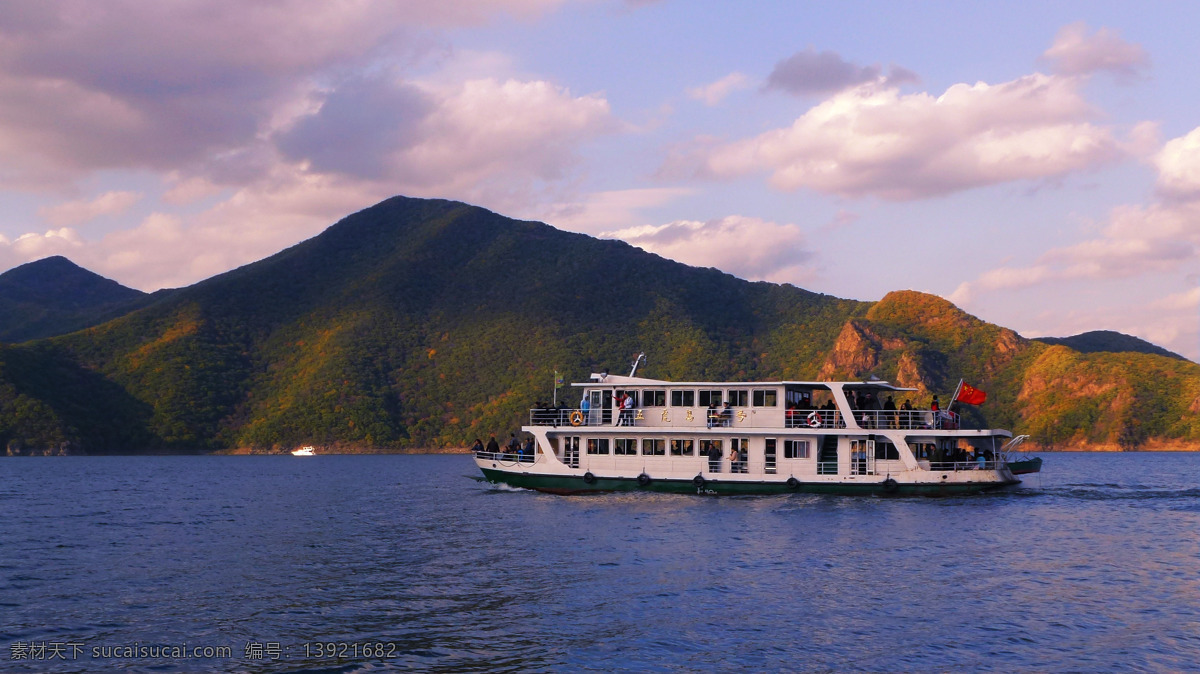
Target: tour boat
[[750, 438], [304, 451]]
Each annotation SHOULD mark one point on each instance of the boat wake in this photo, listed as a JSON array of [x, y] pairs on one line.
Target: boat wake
[[1107, 491]]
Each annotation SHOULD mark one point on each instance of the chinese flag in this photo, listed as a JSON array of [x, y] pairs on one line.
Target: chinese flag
[[971, 395]]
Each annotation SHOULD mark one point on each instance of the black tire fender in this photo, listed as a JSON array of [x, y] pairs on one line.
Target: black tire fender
[[588, 478], [793, 483], [698, 481], [890, 486], [643, 479]]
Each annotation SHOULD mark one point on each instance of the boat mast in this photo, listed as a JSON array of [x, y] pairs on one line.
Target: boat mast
[[640, 359]]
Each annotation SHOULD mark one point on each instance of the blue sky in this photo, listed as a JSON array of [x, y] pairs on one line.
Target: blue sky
[[1036, 163]]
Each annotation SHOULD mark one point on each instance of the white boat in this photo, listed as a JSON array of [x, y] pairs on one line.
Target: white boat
[[307, 450], [750, 438]]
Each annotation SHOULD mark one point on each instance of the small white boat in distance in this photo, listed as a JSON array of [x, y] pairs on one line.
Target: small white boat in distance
[[307, 450]]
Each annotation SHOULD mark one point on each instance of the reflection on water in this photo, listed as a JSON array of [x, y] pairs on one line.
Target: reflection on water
[[1091, 565]]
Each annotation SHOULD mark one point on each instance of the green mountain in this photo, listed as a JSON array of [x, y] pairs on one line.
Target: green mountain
[[54, 296], [1098, 341], [427, 323]]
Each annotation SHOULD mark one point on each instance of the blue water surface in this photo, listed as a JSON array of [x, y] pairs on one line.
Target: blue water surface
[[289, 563]]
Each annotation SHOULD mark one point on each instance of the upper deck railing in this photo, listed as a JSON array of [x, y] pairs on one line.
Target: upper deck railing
[[695, 417]]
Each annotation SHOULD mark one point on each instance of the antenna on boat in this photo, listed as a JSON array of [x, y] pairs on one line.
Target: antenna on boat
[[640, 359]]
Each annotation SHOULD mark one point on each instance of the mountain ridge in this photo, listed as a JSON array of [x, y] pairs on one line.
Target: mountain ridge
[[427, 323], [55, 296]]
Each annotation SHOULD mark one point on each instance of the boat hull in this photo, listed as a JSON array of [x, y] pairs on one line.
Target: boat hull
[[580, 484]]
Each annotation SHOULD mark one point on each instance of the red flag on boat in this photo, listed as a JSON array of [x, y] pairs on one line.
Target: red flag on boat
[[970, 395]]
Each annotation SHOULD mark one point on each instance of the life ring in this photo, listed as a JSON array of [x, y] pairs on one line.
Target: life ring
[[814, 420], [698, 481], [588, 478], [576, 418], [890, 486], [793, 483], [643, 479]]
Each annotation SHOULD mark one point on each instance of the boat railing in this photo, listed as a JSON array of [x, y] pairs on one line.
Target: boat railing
[[793, 418], [814, 419], [507, 457], [907, 419], [950, 466]]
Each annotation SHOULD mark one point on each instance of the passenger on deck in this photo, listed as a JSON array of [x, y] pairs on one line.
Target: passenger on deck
[[714, 415], [477, 447], [492, 446], [627, 411], [734, 464], [906, 409], [868, 416], [514, 445], [889, 408], [586, 408], [527, 450], [714, 458], [726, 415]]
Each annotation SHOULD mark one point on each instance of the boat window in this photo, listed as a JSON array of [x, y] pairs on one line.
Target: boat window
[[682, 447], [886, 450], [765, 397], [654, 398], [653, 447], [769, 455], [799, 398], [683, 398], [712, 397], [631, 393], [597, 446], [795, 449], [705, 445], [738, 398], [625, 447]]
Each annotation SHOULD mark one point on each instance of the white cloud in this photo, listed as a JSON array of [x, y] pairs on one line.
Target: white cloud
[[604, 211], [750, 248], [1074, 52], [1178, 165], [715, 92], [478, 140], [1188, 300], [33, 246], [872, 140], [81, 211]]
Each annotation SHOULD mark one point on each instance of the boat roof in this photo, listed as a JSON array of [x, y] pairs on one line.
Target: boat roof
[[618, 381]]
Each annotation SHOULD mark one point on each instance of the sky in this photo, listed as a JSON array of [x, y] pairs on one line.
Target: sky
[[1037, 164]]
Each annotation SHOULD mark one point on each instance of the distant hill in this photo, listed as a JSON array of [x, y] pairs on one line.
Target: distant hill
[[1108, 341], [426, 323], [54, 296]]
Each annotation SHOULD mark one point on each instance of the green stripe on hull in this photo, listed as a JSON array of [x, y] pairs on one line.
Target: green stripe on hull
[[564, 484]]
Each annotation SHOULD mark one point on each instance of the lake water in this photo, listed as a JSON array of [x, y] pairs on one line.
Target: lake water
[[284, 564]]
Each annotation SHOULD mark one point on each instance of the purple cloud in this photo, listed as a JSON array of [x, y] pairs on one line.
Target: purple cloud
[[811, 73], [358, 128]]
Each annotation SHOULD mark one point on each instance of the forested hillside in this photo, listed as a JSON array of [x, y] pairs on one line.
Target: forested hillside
[[426, 323]]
